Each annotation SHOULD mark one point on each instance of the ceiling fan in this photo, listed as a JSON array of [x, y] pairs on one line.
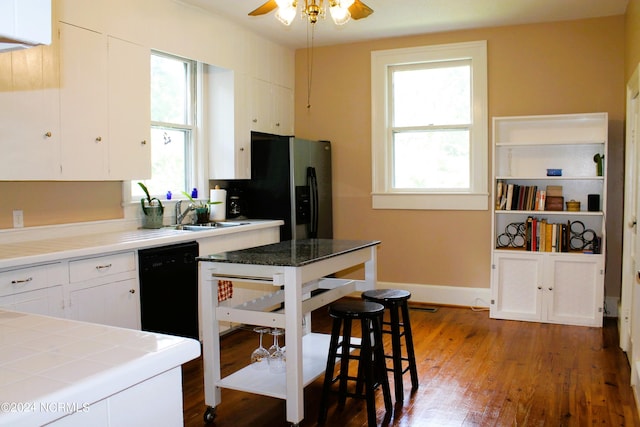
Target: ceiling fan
[[313, 8]]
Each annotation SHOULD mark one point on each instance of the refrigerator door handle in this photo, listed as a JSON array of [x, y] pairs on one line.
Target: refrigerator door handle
[[312, 182]]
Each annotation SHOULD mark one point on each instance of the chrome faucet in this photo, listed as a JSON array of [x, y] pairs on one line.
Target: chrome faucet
[[179, 214]]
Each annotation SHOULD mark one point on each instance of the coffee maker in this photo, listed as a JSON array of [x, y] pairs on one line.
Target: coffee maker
[[236, 208]]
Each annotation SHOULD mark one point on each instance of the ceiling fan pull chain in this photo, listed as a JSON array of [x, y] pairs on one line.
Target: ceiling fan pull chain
[[309, 62]]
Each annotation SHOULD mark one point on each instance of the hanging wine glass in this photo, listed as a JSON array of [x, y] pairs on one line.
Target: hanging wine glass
[[277, 357], [260, 356], [276, 332]]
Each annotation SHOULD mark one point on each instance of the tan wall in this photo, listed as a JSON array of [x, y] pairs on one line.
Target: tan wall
[[46, 203], [632, 38], [567, 67]]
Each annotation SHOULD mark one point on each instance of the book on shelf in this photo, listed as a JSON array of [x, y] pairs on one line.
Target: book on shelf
[[515, 197], [543, 236]]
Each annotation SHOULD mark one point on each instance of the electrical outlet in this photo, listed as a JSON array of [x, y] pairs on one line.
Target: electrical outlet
[[18, 218]]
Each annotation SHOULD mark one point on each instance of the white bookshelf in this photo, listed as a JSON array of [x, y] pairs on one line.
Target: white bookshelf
[[543, 284]]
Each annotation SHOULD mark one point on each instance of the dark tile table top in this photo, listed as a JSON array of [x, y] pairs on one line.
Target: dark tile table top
[[291, 253]]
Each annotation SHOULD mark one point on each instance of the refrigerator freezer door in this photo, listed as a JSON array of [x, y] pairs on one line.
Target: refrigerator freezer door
[[311, 171]]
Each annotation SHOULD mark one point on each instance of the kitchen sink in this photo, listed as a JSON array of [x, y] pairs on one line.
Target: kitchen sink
[[206, 226]]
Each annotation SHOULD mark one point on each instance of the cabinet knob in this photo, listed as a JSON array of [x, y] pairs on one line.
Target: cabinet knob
[[48, 134], [241, 148], [255, 120], [277, 124], [539, 288], [143, 142], [99, 139], [132, 291], [550, 288]]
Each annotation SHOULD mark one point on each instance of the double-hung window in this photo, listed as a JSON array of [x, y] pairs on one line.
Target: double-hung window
[[173, 126], [429, 127]]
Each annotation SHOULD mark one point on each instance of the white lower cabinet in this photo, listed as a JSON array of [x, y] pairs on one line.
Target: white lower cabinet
[[553, 288], [36, 289], [105, 290], [113, 303]]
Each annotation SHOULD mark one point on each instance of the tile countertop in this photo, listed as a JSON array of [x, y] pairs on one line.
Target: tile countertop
[[48, 361], [68, 245]]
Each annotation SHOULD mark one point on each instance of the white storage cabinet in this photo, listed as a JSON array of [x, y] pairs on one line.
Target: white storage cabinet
[[105, 290], [543, 285], [34, 289]]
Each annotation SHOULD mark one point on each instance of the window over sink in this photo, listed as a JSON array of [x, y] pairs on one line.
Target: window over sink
[[173, 126]]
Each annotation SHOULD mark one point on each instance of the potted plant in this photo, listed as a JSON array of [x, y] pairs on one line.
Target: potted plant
[[152, 209], [201, 208]]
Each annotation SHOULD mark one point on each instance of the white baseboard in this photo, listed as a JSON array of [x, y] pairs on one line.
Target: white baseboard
[[463, 296], [443, 295]]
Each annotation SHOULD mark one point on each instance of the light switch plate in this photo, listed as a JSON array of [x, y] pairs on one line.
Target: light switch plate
[[18, 218]]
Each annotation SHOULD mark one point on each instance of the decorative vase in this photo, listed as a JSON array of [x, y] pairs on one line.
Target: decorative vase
[[152, 217], [202, 215]]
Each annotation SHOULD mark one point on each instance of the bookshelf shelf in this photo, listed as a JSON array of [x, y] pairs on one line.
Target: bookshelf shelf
[[548, 265]]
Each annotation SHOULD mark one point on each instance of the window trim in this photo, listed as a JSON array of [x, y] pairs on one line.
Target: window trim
[[383, 196]]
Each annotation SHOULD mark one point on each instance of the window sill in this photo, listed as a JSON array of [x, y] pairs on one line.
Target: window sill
[[458, 202]]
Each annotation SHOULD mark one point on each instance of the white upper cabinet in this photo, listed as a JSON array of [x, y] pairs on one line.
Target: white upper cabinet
[[29, 114], [129, 110], [83, 103], [86, 14], [24, 23]]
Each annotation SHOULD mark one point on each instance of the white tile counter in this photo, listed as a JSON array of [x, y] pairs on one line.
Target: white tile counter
[[88, 374], [71, 241]]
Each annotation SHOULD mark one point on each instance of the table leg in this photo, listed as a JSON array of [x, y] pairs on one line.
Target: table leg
[[210, 337], [293, 342]]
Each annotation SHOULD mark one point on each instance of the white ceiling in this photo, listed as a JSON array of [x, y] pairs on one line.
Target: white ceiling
[[406, 17]]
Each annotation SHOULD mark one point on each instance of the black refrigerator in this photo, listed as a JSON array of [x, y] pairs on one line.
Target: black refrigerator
[[291, 181]]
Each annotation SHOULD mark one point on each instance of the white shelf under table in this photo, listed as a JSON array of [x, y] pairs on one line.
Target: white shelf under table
[[315, 350]]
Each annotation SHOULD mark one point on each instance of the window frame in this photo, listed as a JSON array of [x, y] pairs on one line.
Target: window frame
[[384, 196], [192, 115]]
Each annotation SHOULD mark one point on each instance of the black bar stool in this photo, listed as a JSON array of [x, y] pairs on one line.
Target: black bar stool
[[395, 300], [372, 371]]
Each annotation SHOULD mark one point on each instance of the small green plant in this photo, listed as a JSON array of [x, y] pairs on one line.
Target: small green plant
[[151, 201], [199, 203]]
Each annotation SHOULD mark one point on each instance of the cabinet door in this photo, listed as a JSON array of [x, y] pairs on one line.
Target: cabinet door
[[29, 119], [516, 287], [114, 304], [574, 290], [283, 120], [261, 106], [48, 301], [129, 110], [83, 103]]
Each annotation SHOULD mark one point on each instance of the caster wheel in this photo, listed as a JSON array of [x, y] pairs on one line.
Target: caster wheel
[[209, 415]]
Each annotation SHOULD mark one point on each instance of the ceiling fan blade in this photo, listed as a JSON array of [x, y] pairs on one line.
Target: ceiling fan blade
[[359, 10], [265, 8]]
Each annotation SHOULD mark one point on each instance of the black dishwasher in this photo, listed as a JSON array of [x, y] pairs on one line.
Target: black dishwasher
[[169, 289]]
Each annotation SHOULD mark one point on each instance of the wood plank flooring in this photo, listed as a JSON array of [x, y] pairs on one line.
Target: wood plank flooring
[[474, 371]]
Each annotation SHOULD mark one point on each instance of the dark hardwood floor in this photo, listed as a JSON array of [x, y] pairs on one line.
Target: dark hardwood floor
[[474, 371]]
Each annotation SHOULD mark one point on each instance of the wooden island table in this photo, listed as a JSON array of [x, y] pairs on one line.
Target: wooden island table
[[296, 273]]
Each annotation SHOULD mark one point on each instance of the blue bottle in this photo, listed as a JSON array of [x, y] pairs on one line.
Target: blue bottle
[[194, 193]]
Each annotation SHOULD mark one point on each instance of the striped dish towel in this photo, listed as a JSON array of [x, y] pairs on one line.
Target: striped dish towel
[[225, 290]]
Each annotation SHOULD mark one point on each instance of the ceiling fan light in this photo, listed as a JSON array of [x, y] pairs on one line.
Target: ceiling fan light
[[286, 15], [339, 15], [284, 3]]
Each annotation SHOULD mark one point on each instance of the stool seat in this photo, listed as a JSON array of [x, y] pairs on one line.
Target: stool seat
[[399, 326], [356, 309], [386, 295]]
